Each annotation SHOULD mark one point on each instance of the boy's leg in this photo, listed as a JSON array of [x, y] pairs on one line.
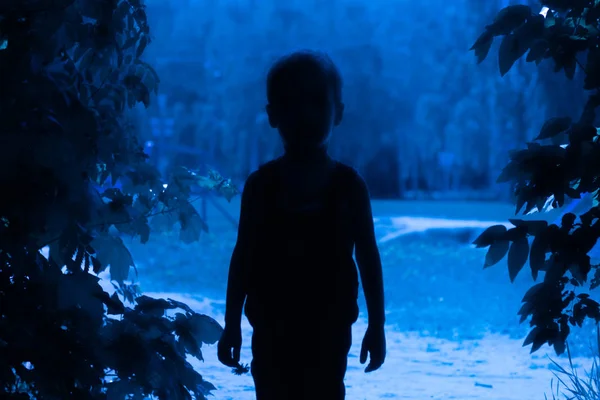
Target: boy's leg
[[328, 369], [269, 365], [301, 362]]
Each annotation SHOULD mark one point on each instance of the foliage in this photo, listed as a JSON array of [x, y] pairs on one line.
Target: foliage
[[75, 180], [576, 386], [561, 163]]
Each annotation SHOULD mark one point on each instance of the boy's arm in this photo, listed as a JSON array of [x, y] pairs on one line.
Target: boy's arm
[[367, 255], [236, 291]]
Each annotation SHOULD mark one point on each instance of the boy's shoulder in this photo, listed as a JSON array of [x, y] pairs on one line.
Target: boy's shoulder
[[263, 175], [265, 172], [344, 175], [347, 170], [269, 168]]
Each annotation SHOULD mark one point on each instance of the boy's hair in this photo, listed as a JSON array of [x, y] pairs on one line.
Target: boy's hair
[[284, 71]]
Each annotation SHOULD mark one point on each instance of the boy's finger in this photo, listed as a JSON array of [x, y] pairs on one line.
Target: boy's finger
[[236, 354], [373, 366], [229, 362], [225, 358], [363, 354]]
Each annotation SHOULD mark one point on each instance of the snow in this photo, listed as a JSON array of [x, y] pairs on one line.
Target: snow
[[395, 227], [417, 367]]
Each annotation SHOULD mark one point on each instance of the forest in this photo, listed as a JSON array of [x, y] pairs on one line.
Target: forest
[[383, 49], [130, 126]]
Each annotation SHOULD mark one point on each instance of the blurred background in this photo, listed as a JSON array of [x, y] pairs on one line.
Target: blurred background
[[422, 121], [429, 130]]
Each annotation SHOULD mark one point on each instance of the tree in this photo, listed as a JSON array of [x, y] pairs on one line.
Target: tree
[[562, 162], [74, 179]]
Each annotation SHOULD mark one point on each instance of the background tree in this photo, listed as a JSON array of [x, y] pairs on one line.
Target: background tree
[[561, 163], [75, 180], [402, 67]]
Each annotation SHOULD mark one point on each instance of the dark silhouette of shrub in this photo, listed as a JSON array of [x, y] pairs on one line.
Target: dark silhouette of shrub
[[563, 161], [74, 179]]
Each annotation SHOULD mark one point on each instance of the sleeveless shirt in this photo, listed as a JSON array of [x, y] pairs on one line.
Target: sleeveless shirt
[[303, 264]]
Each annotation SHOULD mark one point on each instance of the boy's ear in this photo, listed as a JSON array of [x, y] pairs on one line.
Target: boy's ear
[[339, 114], [272, 118]]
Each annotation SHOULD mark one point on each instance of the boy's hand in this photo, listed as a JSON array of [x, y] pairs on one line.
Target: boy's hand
[[229, 346], [374, 344]]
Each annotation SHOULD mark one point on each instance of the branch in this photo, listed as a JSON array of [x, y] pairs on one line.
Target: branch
[[130, 220]]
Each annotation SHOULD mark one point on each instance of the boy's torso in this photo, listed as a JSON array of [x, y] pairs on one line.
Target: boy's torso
[[302, 262]]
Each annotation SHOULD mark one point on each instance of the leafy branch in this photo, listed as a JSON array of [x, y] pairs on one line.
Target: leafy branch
[[65, 140], [560, 164]]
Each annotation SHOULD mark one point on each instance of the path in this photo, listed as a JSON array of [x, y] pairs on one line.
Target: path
[[417, 367], [390, 228]]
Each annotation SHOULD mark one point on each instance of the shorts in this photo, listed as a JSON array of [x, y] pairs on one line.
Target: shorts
[[293, 362]]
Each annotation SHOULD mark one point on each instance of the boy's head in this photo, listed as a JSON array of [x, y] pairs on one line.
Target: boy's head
[[304, 93]]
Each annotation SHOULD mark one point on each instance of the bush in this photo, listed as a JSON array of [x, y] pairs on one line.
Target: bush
[[561, 162], [578, 388], [75, 179]]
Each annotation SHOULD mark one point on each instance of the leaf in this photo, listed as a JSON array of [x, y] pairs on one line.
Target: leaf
[[530, 338], [482, 46], [65, 249], [532, 227], [522, 198], [56, 254], [533, 292], [214, 181], [129, 43], [511, 172], [150, 71], [537, 257], [178, 304], [582, 133], [155, 307], [117, 389], [141, 46], [525, 311], [191, 224], [595, 280], [496, 252], [559, 346], [592, 78], [528, 33], [509, 19], [588, 116], [537, 51], [517, 257], [112, 252], [490, 236], [205, 329], [164, 222], [113, 303], [97, 266], [129, 292], [570, 67], [514, 234], [508, 54], [143, 229], [81, 290], [543, 337], [553, 127], [190, 344]]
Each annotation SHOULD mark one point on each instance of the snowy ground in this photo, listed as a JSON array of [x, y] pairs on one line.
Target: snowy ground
[[417, 367], [440, 306]]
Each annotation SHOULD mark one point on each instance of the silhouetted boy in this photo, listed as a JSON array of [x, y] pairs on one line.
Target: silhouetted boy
[[302, 216]]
